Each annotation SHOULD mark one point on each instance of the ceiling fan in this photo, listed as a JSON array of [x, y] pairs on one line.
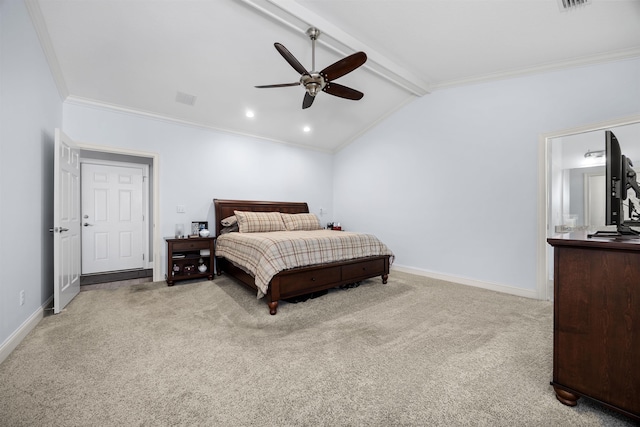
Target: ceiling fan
[[316, 81]]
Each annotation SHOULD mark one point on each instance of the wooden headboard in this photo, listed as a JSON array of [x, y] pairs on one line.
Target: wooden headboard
[[225, 208]]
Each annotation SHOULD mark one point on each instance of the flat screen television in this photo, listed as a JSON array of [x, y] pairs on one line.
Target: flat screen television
[[619, 178], [613, 172]]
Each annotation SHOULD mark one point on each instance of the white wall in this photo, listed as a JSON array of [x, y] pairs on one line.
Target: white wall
[[450, 181], [30, 110], [198, 165]]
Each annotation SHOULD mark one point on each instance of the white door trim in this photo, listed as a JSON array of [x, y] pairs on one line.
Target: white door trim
[[542, 288], [155, 208], [145, 202]]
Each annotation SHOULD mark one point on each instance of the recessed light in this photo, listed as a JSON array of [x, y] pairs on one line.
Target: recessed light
[[249, 114], [306, 129]]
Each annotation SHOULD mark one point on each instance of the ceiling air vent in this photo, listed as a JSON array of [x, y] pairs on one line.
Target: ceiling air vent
[[572, 4], [185, 98]]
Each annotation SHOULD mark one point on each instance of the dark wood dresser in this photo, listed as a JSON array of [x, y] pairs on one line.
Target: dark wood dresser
[[596, 331]]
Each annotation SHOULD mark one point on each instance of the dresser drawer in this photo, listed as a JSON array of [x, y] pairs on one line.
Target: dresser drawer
[[190, 245], [308, 278], [362, 269]]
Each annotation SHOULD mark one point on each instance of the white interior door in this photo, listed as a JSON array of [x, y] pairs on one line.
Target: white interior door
[[112, 218], [595, 201], [66, 221]]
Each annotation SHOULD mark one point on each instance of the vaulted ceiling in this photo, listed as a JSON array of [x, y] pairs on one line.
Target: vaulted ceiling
[[197, 62]]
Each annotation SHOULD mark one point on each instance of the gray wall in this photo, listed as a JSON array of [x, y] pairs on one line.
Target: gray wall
[[450, 181], [198, 165], [30, 110]]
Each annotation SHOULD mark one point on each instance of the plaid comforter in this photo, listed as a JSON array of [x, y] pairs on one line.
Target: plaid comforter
[[263, 255]]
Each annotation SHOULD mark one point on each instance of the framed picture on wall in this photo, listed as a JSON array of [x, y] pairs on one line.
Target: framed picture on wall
[[196, 226]]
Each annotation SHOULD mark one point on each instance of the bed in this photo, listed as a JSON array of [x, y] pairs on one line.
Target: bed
[[301, 280]]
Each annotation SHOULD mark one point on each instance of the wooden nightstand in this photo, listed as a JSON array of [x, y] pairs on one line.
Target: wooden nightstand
[[190, 258]]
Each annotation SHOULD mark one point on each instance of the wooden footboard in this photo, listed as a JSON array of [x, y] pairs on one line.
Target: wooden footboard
[[304, 280]]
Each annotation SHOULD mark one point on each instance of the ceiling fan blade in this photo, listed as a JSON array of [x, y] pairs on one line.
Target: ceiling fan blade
[[344, 66], [290, 59], [307, 101], [279, 85], [342, 91]]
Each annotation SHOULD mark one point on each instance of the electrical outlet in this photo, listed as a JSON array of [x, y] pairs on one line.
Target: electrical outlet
[[22, 297], [180, 209]]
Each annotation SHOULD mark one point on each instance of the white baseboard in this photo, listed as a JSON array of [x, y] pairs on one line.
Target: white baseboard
[[469, 282], [19, 334]]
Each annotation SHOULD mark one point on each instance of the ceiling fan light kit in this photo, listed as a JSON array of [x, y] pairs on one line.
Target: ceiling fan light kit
[[316, 81]]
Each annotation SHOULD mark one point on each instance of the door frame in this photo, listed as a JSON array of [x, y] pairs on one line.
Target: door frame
[[154, 207], [543, 288], [146, 208]]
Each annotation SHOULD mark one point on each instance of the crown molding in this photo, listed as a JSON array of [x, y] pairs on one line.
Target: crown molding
[[45, 41], [542, 68], [86, 102]]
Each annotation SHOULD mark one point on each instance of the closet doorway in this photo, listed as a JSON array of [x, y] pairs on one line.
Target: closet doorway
[[115, 210], [119, 198]]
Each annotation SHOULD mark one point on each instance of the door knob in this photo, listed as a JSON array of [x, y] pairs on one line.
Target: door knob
[[86, 224], [58, 229]]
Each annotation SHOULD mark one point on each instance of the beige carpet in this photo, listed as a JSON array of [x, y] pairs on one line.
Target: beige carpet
[[413, 352]]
